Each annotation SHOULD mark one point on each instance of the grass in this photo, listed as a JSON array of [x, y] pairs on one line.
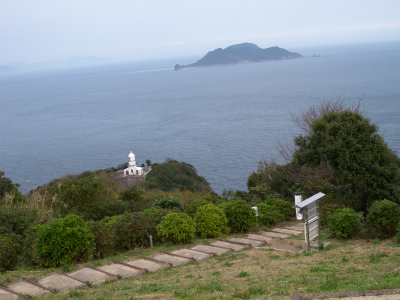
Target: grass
[[257, 273]]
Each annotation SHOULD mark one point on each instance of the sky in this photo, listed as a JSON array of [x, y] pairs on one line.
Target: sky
[[35, 31]]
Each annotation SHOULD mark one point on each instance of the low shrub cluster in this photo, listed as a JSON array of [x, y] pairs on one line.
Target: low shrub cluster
[[210, 221], [177, 228], [344, 223], [10, 247], [64, 241], [383, 217], [241, 217], [275, 210]]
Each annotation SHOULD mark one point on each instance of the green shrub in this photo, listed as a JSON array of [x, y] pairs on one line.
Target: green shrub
[[267, 215], [177, 228], [283, 207], [169, 202], [109, 221], [241, 217], [192, 209], [344, 223], [10, 247], [326, 211], [156, 214], [383, 217], [13, 222], [103, 239], [63, 241], [210, 221], [132, 231]]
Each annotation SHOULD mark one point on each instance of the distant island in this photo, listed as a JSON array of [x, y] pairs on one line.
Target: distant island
[[240, 53]]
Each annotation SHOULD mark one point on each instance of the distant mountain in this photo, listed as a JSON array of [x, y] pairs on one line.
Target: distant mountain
[[58, 64], [240, 53]]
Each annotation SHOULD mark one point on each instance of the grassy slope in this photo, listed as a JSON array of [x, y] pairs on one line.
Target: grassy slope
[[254, 274]]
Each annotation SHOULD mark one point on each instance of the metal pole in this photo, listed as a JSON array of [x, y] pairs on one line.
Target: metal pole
[[151, 241], [307, 229]]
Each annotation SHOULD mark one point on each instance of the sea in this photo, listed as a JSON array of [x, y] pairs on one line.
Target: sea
[[222, 120]]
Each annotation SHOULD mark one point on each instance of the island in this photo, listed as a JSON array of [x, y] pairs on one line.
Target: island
[[240, 53]]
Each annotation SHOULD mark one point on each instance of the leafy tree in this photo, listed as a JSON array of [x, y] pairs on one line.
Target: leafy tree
[[148, 162], [173, 175], [169, 202], [7, 186], [349, 144]]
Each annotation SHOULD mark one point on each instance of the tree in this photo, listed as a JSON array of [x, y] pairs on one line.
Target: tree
[[350, 146], [7, 186]]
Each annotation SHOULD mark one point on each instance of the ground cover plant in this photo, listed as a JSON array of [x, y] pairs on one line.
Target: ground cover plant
[[260, 273]]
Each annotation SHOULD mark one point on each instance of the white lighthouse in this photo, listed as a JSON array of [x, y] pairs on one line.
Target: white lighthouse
[[132, 168]]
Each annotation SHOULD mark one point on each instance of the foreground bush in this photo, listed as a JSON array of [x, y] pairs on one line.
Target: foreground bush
[[267, 215], [344, 223], [177, 228], [10, 246], [132, 231], [156, 214], [241, 217], [103, 239], [383, 217], [192, 209], [63, 241], [283, 207], [210, 221], [326, 211]]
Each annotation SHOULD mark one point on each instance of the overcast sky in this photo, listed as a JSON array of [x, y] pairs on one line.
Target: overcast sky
[[43, 30]]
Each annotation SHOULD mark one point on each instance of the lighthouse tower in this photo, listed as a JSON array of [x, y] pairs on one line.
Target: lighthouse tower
[[132, 168]]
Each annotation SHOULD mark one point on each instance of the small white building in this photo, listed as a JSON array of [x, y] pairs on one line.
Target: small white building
[[132, 168]]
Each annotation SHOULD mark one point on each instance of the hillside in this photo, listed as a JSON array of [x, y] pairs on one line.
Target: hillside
[[240, 53]]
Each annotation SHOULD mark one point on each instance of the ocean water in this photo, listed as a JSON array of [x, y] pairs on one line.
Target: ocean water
[[222, 120]]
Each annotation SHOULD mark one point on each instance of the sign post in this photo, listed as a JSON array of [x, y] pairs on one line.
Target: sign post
[[310, 210]]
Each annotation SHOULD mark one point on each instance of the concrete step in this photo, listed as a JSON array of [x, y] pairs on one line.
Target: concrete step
[[28, 287], [6, 294], [275, 235], [189, 253], [259, 237], [211, 249], [234, 247], [121, 270], [171, 259], [151, 266], [91, 275], [60, 282], [286, 231], [253, 243]]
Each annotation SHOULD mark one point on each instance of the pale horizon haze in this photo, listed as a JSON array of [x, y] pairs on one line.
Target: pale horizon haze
[[128, 30]]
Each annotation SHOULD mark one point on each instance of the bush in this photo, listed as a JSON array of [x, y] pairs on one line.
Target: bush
[[169, 202], [10, 247], [383, 217], [267, 215], [326, 212], [63, 241], [156, 214], [210, 221], [241, 217], [192, 209], [109, 221], [344, 223], [13, 222], [177, 228], [132, 231], [283, 207], [103, 239]]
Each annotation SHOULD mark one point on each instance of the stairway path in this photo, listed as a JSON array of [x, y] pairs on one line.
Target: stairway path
[[88, 275]]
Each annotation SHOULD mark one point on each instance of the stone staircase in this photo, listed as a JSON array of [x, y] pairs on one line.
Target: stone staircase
[[88, 275]]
